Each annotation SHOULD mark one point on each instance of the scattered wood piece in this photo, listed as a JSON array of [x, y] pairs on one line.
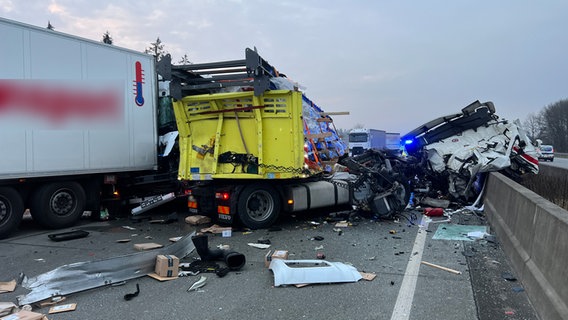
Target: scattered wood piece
[[147, 246], [62, 308], [216, 229], [175, 239], [160, 278], [368, 276], [441, 268], [197, 220], [7, 286]]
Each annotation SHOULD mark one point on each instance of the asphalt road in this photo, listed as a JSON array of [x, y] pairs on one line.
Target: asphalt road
[[558, 162], [393, 250]]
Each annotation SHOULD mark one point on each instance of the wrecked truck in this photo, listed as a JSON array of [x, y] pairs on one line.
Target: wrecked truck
[[456, 150], [252, 145], [445, 158]]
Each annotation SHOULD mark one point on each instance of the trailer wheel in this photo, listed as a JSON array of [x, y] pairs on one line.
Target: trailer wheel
[[11, 210], [58, 205], [258, 206]]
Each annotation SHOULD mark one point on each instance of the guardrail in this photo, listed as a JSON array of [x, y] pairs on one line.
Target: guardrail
[[534, 235]]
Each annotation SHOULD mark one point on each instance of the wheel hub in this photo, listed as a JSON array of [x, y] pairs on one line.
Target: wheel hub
[[62, 203]]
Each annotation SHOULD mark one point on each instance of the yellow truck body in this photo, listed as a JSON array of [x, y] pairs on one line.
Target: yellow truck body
[[241, 136]]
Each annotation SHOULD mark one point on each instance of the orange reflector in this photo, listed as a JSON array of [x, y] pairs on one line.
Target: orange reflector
[[223, 210], [290, 201], [192, 204]]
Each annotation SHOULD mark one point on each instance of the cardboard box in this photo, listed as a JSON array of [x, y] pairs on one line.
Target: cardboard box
[[197, 220], [25, 315], [167, 265], [276, 254]]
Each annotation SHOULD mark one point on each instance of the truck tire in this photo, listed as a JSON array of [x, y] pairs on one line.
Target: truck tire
[[58, 205], [258, 206], [11, 210]]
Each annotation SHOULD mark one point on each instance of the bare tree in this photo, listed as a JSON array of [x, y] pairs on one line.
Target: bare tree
[[107, 38], [555, 117], [534, 124], [156, 49]]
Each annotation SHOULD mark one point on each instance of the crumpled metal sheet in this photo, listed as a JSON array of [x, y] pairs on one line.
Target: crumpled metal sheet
[[80, 276], [483, 149]]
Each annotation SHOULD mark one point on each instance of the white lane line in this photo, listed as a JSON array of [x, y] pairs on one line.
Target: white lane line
[[403, 304]]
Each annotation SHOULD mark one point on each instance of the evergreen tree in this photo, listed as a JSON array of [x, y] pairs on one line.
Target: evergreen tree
[[107, 38], [156, 49], [184, 60]]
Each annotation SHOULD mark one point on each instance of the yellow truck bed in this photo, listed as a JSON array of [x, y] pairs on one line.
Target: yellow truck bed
[[242, 136]]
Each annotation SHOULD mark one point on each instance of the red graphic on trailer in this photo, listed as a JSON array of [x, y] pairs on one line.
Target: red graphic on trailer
[[138, 95]]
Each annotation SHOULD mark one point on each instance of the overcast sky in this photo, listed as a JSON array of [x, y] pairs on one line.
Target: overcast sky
[[392, 64]]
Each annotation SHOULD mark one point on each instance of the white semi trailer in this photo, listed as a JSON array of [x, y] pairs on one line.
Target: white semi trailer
[[77, 118]]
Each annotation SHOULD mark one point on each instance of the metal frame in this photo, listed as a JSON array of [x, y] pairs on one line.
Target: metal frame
[[200, 78]]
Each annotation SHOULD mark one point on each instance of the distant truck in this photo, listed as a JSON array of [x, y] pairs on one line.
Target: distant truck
[[366, 139], [393, 141]]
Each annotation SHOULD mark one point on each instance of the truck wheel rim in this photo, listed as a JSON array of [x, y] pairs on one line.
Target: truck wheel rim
[[4, 209], [260, 205], [62, 202]]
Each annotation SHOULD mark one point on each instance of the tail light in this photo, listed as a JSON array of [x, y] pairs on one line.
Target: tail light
[[222, 196]]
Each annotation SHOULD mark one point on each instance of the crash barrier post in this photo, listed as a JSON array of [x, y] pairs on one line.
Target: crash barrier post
[[534, 235]]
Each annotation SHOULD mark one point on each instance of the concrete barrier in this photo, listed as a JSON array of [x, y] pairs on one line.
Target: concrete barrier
[[534, 235]]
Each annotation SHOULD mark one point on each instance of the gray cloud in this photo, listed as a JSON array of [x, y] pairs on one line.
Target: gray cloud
[[393, 65]]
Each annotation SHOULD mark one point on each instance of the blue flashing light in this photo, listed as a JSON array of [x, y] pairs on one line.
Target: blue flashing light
[[408, 141]]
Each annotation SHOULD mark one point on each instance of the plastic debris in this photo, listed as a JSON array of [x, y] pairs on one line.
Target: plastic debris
[[198, 284], [259, 245]]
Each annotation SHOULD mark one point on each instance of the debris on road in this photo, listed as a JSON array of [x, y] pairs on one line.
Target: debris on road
[[233, 260], [312, 271], [130, 296], [368, 276], [198, 284], [25, 315], [82, 276], [215, 229], [433, 212], [276, 254], [197, 220], [8, 286], [65, 236], [441, 268], [63, 308], [259, 245], [167, 266], [7, 308], [147, 246]]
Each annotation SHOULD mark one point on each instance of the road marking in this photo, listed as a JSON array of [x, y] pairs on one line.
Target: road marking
[[403, 304]]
